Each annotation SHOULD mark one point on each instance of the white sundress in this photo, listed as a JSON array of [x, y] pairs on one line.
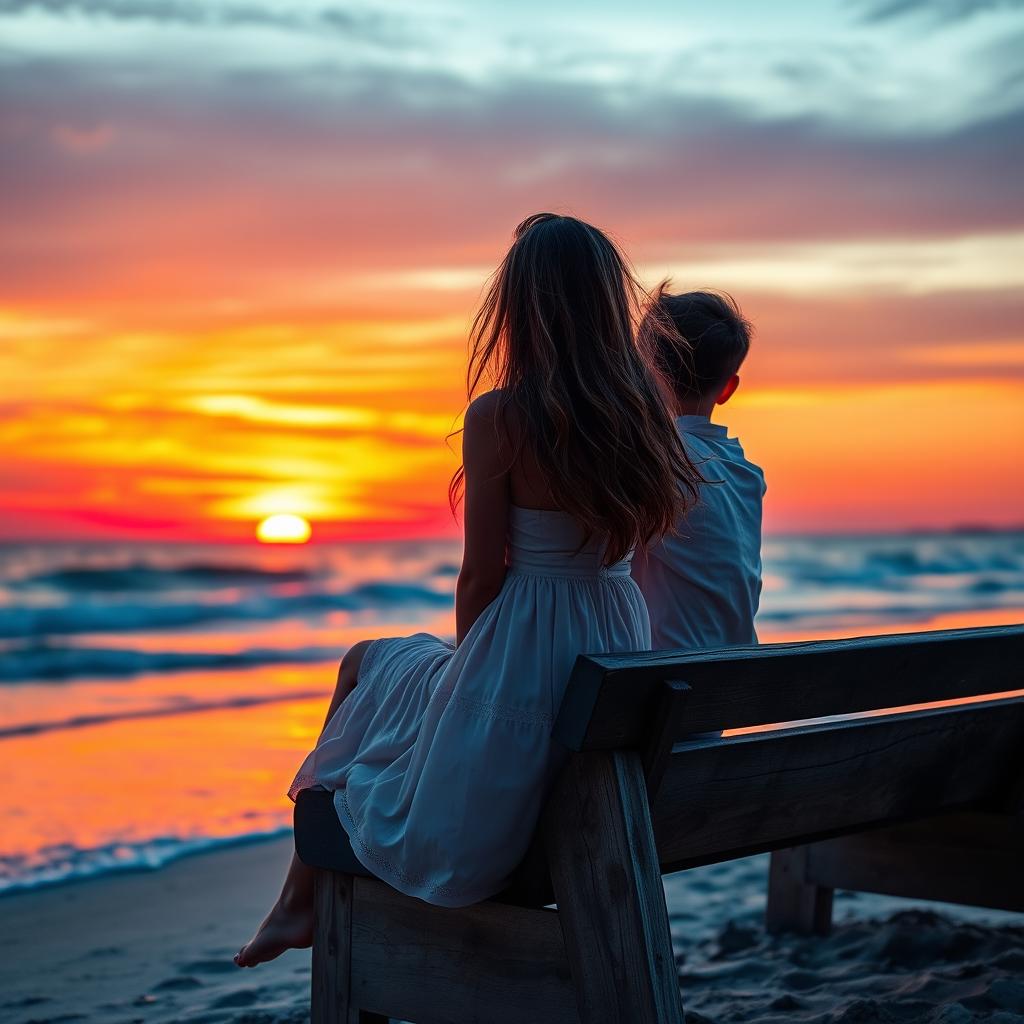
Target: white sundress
[[441, 757]]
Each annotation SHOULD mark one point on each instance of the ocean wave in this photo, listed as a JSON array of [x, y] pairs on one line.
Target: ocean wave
[[49, 594], [91, 615], [55, 864], [145, 576], [920, 610], [890, 563], [44, 661]]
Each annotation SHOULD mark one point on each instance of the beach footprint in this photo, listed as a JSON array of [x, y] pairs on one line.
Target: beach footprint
[[208, 966], [25, 1003], [61, 1018], [183, 983], [239, 999]]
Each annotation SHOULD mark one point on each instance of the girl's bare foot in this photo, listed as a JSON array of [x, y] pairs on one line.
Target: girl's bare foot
[[286, 927]]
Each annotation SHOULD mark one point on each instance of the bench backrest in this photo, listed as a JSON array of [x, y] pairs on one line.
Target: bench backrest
[[714, 798]]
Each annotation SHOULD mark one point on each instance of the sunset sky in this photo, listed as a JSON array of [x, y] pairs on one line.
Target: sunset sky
[[241, 244]]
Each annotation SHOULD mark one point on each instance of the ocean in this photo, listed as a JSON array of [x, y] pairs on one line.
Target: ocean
[[156, 699]]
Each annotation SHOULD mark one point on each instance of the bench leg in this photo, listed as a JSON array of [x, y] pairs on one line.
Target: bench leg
[[967, 857], [330, 1001], [795, 904], [611, 902]]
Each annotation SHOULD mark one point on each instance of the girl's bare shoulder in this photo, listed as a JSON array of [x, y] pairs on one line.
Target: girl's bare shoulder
[[491, 413], [486, 406]]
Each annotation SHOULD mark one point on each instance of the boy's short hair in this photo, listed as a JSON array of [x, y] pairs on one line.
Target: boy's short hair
[[718, 335]]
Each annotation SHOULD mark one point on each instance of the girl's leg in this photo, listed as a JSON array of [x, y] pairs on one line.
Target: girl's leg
[[348, 672], [289, 925]]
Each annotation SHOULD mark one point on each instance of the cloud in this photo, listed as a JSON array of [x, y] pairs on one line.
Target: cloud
[[237, 190], [83, 139], [860, 74], [979, 263], [365, 24], [874, 338], [940, 11]]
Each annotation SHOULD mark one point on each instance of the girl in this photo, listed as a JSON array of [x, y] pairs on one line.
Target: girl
[[439, 757]]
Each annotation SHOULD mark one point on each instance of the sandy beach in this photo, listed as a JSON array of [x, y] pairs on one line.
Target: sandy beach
[[150, 945], [156, 946]]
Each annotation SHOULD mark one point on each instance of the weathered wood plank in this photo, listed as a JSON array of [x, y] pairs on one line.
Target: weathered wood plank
[[486, 963], [794, 904], [663, 732], [970, 858], [332, 944], [610, 699], [611, 902], [731, 797]]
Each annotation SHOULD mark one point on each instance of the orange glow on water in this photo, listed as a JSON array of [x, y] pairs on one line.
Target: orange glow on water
[[177, 786]]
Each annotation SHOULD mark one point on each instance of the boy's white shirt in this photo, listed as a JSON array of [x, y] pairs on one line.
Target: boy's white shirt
[[702, 585]]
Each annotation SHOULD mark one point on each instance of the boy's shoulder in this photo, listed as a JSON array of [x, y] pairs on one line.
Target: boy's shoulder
[[702, 433], [713, 443]]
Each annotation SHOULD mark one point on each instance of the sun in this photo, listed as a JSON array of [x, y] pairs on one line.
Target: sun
[[283, 528]]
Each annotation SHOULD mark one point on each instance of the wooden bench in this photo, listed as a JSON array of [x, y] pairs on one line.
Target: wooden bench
[[924, 803]]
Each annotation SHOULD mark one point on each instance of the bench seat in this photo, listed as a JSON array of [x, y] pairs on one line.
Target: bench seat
[[322, 843]]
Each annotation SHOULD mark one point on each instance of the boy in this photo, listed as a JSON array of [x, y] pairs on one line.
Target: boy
[[702, 584]]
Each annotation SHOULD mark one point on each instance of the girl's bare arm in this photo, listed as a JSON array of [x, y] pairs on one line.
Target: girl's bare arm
[[486, 514]]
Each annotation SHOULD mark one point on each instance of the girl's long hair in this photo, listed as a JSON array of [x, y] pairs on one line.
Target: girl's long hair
[[563, 338]]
